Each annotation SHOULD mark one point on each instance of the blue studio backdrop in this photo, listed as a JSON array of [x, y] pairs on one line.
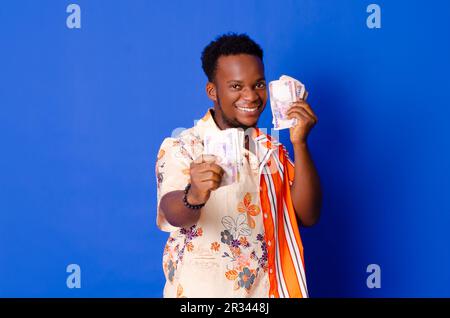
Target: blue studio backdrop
[[89, 89]]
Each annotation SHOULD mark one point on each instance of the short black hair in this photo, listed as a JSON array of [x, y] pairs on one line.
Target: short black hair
[[227, 44]]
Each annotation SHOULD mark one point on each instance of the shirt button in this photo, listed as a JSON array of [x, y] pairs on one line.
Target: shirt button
[[265, 215], [269, 243], [272, 296], [271, 271]]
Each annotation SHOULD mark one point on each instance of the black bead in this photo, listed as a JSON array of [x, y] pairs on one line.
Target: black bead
[[186, 203]]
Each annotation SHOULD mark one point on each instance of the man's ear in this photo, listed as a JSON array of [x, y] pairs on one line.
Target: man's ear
[[211, 91]]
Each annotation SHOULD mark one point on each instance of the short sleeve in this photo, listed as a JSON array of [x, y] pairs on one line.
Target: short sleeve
[[172, 174]]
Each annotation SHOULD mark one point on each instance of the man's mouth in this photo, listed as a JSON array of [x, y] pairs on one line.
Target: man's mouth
[[248, 109]]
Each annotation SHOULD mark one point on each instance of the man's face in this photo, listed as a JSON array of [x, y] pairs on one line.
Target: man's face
[[240, 91]]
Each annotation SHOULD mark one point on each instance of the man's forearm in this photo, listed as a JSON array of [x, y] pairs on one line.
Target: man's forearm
[[175, 212], [306, 192]]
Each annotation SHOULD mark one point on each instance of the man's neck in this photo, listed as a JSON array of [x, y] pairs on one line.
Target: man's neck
[[216, 121], [220, 123]]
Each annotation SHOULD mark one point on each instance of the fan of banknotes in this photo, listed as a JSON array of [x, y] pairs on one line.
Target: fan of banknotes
[[283, 92]]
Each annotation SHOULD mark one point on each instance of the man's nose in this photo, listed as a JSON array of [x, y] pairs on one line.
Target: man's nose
[[249, 95]]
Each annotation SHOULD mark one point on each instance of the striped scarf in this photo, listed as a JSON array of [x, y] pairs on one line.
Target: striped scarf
[[284, 245]]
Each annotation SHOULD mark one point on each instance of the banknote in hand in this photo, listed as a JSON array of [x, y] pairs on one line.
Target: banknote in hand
[[283, 92], [226, 145]]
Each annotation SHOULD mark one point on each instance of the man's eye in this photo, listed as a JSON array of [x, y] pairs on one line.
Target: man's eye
[[235, 86], [261, 85]]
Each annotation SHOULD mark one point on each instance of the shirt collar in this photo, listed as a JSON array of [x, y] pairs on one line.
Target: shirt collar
[[264, 144], [264, 140]]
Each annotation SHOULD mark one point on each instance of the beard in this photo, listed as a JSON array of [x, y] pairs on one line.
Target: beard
[[231, 122]]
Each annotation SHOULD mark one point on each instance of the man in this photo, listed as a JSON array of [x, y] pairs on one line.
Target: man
[[240, 239]]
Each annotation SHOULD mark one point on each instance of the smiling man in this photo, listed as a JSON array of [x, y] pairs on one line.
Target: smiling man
[[242, 239]]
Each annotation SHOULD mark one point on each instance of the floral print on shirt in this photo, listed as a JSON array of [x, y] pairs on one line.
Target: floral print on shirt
[[174, 253], [246, 206], [243, 266], [224, 254]]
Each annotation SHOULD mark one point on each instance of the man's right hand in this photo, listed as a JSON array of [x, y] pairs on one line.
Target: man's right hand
[[206, 176]]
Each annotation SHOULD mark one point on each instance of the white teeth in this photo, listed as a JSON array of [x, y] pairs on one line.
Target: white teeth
[[248, 110]]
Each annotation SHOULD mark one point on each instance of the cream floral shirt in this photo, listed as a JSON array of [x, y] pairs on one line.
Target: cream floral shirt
[[225, 253]]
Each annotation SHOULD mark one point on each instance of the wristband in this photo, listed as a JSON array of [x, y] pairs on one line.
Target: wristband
[[186, 203]]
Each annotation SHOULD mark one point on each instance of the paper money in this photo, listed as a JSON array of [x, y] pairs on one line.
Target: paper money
[[226, 145], [283, 92]]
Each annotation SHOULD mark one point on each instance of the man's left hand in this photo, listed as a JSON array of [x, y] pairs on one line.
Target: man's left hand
[[306, 120]]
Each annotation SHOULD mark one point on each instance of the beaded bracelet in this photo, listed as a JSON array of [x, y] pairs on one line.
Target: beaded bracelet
[[185, 201]]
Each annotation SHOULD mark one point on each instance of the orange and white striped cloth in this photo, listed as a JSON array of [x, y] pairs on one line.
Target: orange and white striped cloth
[[285, 249]]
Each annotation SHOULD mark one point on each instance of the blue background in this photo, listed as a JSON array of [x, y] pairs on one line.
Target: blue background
[[83, 113]]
